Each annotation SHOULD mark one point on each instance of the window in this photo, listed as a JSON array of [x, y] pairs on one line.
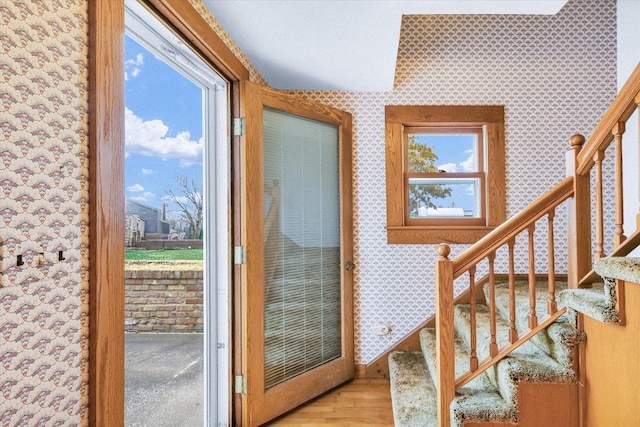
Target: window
[[445, 173]]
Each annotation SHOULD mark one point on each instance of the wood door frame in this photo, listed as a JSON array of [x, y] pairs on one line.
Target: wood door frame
[[268, 404], [106, 182]]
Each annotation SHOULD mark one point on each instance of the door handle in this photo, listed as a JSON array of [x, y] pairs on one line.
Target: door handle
[[349, 265]]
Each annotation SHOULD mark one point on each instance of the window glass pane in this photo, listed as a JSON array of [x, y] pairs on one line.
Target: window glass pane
[[302, 246], [448, 152], [444, 197]]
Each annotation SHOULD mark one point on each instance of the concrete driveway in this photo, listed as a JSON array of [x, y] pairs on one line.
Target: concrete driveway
[[164, 380]]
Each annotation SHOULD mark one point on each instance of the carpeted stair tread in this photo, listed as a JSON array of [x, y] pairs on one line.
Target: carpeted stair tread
[[521, 290], [599, 301], [462, 355], [590, 302], [478, 400], [527, 363], [558, 339], [493, 395], [413, 393], [462, 324], [481, 406], [623, 268]]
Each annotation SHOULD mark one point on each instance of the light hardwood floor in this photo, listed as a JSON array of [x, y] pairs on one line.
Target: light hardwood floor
[[360, 402]]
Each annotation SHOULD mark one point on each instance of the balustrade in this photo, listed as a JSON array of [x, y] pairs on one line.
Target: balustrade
[[575, 193]]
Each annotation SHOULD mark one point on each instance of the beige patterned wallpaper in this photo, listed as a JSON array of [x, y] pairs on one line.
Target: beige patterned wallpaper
[[43, 119], [555, 75]]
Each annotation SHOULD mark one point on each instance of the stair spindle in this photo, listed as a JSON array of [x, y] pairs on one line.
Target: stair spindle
[[552, 305], [619, 236], [513, 331], [473, 360], [493, 346], [533, 318], [598, 158]]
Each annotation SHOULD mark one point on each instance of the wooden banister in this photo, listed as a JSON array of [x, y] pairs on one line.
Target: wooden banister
[[513, 226], [576, 191], [622, 107], [487, 363]]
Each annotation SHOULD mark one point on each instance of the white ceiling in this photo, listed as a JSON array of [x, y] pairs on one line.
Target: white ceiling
[[339, 44]]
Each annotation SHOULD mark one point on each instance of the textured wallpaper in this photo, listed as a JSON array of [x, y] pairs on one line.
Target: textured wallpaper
[[555, 75], [43, 179]]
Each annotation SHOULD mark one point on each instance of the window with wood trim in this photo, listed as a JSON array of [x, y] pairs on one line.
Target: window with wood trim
[[445, 173]]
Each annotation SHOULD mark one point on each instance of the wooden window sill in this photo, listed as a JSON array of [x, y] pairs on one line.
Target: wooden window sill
[[420, 234]]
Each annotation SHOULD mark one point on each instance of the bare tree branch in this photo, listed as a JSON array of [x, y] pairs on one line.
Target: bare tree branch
[[187, 196]]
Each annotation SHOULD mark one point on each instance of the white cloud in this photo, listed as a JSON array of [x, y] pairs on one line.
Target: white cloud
[[147, 171], [135, 188], [470, 190], [469, 165], [144, 198], [149, 138], [132, 67], [448, 167]]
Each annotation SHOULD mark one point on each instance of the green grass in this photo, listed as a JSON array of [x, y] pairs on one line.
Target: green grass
[[163, 255]]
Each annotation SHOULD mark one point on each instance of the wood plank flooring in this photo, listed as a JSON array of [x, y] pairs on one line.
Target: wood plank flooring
[[360, 402]]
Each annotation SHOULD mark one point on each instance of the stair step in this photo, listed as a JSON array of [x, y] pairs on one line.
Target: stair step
[[527, 363], [559, 339], [492, 397], [479, 400], [412, 391], [462, 354], [591, 302], [521, 290]]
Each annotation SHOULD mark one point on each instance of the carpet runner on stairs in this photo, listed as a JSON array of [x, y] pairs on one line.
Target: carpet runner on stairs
[[493, 395], [599, 301]]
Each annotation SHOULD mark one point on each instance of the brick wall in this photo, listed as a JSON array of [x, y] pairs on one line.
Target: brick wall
[[164, 296]]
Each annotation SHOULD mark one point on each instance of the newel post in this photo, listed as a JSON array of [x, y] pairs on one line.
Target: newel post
[[445, 383], [579, 217]]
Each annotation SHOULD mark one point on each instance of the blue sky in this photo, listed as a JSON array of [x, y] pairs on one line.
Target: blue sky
[[163, 126], [455, 154]]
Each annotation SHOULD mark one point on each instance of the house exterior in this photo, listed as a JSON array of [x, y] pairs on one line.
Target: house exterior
[[156, 225], [555, 75], [133, 229]]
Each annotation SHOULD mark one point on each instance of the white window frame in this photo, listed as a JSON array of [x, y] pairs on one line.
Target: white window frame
[[149, 32]]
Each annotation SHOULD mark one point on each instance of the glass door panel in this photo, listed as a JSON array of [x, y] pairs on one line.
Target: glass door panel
[[302, 259]]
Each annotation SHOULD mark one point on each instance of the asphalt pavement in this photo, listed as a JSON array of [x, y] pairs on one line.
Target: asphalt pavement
[[164, 380]]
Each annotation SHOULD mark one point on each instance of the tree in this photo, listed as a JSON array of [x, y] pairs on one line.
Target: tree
[[421, 158], [186, 194]]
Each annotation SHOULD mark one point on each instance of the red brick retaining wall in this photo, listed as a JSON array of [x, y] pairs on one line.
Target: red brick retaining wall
[[164, 297]]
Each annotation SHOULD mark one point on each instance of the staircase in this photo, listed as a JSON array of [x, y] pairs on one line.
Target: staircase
[[509, 355], [491, 397]]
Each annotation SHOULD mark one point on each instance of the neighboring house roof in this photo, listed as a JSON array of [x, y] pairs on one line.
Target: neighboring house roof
[[154, 218]]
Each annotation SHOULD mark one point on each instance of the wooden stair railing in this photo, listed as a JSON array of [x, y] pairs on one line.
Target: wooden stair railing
[[591, 156], [485, 251], [576, 191]]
